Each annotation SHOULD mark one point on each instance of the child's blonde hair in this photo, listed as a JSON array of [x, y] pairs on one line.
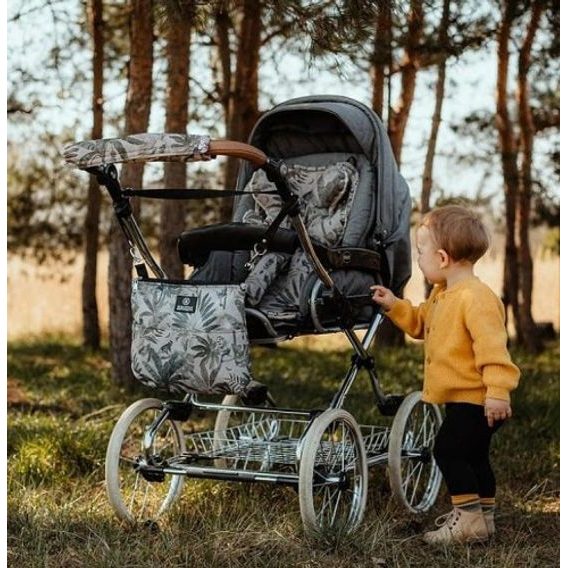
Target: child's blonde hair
[[458, 231]]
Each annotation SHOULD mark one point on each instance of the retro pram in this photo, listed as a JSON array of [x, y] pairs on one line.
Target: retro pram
[[321, 213]]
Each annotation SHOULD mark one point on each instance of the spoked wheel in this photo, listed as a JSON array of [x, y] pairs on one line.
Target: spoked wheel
[[230, 425], [133, 497], [413, 474], [333, 475]]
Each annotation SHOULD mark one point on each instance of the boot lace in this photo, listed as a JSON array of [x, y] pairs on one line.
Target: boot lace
[[447, 518]]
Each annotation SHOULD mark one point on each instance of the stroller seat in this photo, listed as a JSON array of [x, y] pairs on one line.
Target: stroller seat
[[353, 202], [284, 295]]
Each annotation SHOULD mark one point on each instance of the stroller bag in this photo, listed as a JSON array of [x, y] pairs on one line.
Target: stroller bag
[[190, 338]]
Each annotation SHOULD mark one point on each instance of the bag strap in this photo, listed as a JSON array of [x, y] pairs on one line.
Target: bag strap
[[188, 193]]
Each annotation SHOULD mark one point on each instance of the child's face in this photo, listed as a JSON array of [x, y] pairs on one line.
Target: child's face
[[430, 260]]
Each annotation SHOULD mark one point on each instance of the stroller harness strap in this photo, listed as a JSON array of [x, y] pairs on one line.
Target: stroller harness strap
[[187, 193]]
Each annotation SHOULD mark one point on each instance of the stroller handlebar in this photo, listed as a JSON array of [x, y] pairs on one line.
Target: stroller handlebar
[[161, 147], [237, 150]]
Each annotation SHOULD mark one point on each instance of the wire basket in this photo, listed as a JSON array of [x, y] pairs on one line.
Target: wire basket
[[271, 443]]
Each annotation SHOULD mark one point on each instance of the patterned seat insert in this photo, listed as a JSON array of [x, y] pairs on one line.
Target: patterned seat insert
[[326, 194]]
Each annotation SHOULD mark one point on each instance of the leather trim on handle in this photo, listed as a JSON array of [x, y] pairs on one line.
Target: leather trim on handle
[[237, 150]]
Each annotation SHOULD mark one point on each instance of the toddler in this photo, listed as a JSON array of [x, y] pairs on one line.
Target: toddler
[[466, 365]]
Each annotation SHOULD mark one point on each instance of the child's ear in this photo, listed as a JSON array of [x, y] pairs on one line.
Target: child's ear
[[444, 258]]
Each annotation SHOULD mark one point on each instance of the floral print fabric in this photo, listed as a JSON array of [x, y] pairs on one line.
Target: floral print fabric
[[190, 338], [326, 193], [137, 148]]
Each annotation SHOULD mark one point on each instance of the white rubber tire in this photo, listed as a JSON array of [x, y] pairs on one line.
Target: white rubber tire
[[221, 424], [313, 525], [114, 487], [400, 435]]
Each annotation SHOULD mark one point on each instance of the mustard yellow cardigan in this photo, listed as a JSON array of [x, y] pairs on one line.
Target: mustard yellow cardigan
[[465, 343]]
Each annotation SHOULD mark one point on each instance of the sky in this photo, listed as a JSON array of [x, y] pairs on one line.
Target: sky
[[470, 86]]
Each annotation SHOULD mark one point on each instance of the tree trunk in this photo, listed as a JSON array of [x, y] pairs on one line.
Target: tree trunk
[[91, 329], [137, 113], [389, 335], [222, 27], [244, 100], [381, 57], [435, 126], [529, 331], [409, 67], [509, 163], [437, 116], [172, 215]]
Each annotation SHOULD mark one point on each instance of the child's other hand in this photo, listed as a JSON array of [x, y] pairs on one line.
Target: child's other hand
[[496, 409], [383, 296]]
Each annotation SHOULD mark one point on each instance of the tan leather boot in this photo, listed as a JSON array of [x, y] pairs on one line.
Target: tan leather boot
[[458, 526], [490, 522]]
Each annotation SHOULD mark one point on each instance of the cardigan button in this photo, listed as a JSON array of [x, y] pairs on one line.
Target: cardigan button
[[428, 360]]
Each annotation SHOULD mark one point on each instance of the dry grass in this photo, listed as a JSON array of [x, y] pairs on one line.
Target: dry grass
[[58, 515], [47, 299]]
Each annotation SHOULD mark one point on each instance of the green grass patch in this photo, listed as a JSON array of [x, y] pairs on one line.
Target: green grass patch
[[63, 406]]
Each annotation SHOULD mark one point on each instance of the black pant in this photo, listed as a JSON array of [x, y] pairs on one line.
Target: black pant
[[462, 450]]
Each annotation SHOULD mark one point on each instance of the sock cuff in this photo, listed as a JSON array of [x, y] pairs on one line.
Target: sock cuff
[[487, 501], [465, 500]]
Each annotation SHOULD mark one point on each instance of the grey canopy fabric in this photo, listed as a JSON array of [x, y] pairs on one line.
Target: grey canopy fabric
[[137, 148], [315, 126]]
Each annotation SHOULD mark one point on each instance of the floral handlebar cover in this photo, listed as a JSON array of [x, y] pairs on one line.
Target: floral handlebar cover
[[138, 148]]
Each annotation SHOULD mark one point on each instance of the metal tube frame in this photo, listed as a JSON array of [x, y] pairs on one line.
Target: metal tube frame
[[107, 176]]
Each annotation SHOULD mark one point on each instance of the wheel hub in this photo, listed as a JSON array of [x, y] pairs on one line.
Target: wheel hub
[[344, 481], [425, 455], [148, 469]]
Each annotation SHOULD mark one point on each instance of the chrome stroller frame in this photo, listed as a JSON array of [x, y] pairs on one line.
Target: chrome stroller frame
[[325, 454]]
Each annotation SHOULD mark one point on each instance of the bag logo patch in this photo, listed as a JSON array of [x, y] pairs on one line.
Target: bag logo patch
[[186, 304]]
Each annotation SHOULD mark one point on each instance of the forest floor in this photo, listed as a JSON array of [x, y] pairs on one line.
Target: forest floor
[[62, 406]]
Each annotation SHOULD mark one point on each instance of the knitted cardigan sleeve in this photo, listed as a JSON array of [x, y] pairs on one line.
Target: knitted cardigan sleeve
[[485, 320], [409, 318]]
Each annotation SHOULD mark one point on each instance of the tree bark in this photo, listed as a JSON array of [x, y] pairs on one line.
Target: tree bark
[[509, 164], [435, 126], [437, 115], [172, 214], [410, 64], [137, 113], [381, 57], [244, 96], [529, 331], [91, 329], [222, 28]]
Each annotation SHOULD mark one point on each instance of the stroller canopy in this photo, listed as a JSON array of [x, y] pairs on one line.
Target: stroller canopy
[[326, 124]]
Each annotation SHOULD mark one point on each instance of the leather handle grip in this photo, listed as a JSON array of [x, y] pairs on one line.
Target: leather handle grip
[[237, 150]]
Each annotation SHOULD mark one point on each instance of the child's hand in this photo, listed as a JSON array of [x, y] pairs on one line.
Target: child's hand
[[383, 296], [496, 409]]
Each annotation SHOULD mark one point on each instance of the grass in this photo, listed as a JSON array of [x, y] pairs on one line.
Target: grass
[[61, 409]]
